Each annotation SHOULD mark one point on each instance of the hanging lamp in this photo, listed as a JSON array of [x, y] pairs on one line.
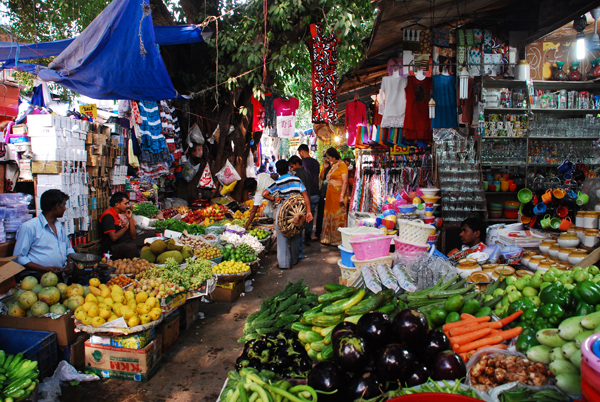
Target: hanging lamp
[[431, 108], [464, 83]]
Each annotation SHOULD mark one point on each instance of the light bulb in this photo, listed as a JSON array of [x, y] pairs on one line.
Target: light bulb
[[580, 47]]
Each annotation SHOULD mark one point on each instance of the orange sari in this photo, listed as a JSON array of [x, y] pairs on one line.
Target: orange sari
[[334, 216]]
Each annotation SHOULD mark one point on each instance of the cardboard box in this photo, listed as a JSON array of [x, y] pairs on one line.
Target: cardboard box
[[8, 270], [189, 313], [64, 327], [19, 129], [172, 302], [135, 341], [75, 352], [227, 295], [47, 167], [169, 330], [127, 364]]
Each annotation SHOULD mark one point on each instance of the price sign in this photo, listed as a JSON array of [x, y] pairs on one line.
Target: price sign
[[295, 142], [397, 150], [89, 110]]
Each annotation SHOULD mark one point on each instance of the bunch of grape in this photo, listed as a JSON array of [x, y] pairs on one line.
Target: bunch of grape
[[199, 271], [169, 272], [207, 253]]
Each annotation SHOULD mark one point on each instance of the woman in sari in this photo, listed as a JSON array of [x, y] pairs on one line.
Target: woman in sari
[[335, 214]]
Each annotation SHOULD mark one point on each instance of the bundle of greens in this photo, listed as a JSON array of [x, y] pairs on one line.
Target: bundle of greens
[[146, 209], [179, 226]]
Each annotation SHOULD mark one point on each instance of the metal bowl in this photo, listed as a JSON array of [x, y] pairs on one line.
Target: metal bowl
[[85, 261]]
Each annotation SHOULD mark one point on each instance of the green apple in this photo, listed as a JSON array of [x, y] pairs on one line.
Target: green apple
[[529, 291], [594, 270], [520, 284], [511, 288], [536, 281], [536, 300], [511, 280], [581, 276], [549, 276], [499, 292], [514, 296]]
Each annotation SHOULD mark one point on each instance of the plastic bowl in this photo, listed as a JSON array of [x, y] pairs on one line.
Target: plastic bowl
[[429, 192], [407, 209], [430, 199]]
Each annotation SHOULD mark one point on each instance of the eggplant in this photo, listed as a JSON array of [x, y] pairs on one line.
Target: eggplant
[[342, 329], [363, 387], [259, 347], [271, 335], [305, 363], [241, 362], [289, 334], [281, 343], [247, 347], [328, 377], [394, 362], [419, 375], [298, 348], [375, 328], [351, 353], [448, 366], [410, 327], [254, 363], [436, 342]]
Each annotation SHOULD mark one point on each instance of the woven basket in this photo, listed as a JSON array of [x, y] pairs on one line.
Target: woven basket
[[415, 232], [291, 208]]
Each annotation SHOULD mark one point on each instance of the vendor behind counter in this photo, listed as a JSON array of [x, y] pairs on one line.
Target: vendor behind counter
[[117, 226]]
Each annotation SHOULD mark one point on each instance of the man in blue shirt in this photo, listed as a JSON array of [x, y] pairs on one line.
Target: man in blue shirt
[[288, 250], [311, 165], [42, 242]]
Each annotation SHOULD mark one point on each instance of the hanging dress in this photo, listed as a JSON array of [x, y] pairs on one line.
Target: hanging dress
[[356, 118], [394, 101], [324, 76], [444, 94], [417, 124]]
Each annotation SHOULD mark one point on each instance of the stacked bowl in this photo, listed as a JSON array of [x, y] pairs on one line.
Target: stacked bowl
[[511, 209], [495, 210]]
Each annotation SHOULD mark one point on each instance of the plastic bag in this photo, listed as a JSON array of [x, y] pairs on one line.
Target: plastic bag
[[228, 188], [196, 135], [133, 160], [493, 252], [250, 170], [206, 181], [50, 387], [189, 171], [228, 174]]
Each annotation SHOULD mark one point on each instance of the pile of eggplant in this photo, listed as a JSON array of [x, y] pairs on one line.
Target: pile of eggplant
[[378, 355], [280, 353]]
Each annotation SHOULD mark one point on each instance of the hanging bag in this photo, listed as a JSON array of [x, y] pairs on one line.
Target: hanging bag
[[206, 181], [228, 174]]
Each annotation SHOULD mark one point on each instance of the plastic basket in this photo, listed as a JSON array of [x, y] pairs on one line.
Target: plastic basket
[[437, 253], [414, 232], [346, 256], [217, 260], [409, 249], [370, 246], [348, 233], [216, 230], [389, 260], [348, 273], [35, 345]]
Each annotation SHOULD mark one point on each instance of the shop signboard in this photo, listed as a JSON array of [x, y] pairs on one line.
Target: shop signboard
[[398, 150], [90, 110], [295, 142]]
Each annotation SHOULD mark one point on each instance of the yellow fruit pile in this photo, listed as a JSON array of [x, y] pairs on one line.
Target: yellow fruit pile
[[239, 215], [207, 253], [231, 267], [106, 304]]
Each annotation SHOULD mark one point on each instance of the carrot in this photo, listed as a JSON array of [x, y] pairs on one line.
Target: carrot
[[511, 317], [464, 357], [462, 323], [468, 329], [479, 343], [497, 346], [510, 333], [470, 337], [465, 316]]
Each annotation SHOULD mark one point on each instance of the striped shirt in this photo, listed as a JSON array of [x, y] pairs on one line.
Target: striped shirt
[[287, 185]]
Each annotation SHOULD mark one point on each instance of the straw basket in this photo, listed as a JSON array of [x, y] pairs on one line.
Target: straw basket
[[291, 218], [415, 232]]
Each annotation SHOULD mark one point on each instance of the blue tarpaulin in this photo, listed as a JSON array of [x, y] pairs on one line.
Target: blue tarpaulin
[[115, 57]]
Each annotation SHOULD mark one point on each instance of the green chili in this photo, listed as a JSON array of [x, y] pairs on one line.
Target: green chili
[[304, 388]]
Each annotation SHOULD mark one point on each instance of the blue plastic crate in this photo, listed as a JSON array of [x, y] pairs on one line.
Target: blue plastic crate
[[346, 256], [35, 345]]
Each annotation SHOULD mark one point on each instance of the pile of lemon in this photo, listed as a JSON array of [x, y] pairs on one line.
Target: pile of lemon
[[104, 304], [231, 267]]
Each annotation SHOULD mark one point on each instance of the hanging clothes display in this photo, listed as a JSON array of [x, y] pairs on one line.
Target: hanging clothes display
[[356, 115], [286, 116], [258, 115], [154, 145], [417, 124], [376, 114], [270, 121], [393, 106], [324, 75], [444, 94]]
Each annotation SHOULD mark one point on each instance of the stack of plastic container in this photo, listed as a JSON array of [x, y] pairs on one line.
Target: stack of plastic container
[[13, 212], [346, 263]]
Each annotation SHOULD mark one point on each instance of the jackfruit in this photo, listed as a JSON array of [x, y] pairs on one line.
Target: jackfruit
[[148, 256], [158, 247], [172, 246], [187, 252], [170, 254], [145, 248]]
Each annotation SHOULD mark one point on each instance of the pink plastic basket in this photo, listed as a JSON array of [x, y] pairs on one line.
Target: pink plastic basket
[[370, 246], [409, 249]]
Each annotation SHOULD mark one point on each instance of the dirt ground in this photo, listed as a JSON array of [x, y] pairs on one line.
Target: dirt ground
[[196, 366]]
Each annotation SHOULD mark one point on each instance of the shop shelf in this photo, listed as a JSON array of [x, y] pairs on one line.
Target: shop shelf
[[501, 83], [501, 220], [572, 85], [512, 110], [503, 138], [563, 138], [595, 111], [501, 192], [35, 345]]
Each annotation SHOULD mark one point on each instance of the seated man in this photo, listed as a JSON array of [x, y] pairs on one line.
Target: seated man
[[118, 229], [42, 242]]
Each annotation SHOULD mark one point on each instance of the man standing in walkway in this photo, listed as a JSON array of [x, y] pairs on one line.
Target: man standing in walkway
[[311, 165], [288, 250]]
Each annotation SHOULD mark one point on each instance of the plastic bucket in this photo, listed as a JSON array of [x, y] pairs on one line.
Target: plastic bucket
[[348, 233], [590, 369], [370, 246], [348, 273], [346, 256]]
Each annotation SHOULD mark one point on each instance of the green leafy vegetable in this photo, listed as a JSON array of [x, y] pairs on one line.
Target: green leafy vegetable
[[146, 209], [179, 226]]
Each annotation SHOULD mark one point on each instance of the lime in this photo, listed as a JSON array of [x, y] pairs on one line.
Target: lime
[[452, 317], [454, 303], [438, 316]]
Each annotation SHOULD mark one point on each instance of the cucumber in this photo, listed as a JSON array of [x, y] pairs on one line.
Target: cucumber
[[342, 307], [286, 320], [15, 362], [318, 346], [19, 386], [387, 309], [353, 318], [2, 357], [297, 327], [311, 336], [327, 353], [327, 320], [334, 287], [340, 294], [367, 307], [327, 331], [313, 354], [327, 339], [7, 362]]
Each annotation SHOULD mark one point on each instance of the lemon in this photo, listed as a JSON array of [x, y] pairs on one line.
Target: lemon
[[97, 321], [95, 282]]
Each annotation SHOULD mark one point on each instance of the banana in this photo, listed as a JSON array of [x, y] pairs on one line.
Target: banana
[[563, 367], [570, 328], [568, 349], [556, 354], [539, 354], [591, 321], [576, 359], [569, 384], [581, 337], [549, 337]]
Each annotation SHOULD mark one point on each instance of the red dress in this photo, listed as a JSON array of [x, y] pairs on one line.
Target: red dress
[[356, 115], [417, 124], [258, 115]]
